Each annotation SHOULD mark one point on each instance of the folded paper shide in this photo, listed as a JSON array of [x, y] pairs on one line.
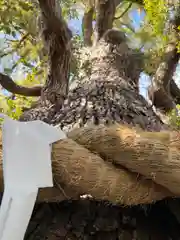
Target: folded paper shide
[[26, 168]]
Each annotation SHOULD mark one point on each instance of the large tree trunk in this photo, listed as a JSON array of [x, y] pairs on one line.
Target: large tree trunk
[[86, 219], [107, 96]]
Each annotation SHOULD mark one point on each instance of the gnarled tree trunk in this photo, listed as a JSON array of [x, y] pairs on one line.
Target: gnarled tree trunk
[[107, 96]]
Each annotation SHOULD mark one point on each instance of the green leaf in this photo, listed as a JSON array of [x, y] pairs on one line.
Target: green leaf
[[8, 70]]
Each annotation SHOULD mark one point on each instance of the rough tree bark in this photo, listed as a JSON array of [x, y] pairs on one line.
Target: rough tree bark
[[160, 90], [87, 26], [104, 10], [163, 92], [57, 38], [109, 95]]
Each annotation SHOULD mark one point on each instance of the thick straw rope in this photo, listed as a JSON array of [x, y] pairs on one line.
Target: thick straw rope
[[92, 160], [155, 155]]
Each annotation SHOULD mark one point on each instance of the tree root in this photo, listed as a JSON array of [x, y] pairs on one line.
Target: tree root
[[114, 163]]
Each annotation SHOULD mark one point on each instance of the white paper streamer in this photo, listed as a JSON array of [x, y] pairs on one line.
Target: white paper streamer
[[26, 167]]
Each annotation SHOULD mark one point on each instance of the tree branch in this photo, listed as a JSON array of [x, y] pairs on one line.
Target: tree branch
[[57, 37], [175, 91], [105, 16], [7, 83], [140, 2], [160, 90], [87, 26], [125, 11]]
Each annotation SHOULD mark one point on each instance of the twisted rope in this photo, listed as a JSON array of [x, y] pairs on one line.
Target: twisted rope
[[117, 163]]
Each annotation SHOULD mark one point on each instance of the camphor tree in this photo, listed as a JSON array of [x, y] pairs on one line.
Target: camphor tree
[[104, 92]]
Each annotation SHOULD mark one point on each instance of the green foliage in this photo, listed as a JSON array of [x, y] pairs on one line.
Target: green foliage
[[10, 107], [178, 44], [16, 16], [157, 15], [13, 107], [68, 10], [19, 23], [13, 110], [174, 118], [152, 34]]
